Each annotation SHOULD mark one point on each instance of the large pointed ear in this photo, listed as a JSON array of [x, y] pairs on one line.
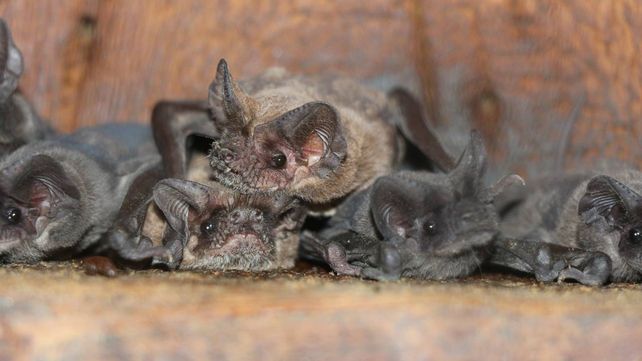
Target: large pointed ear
[[178, 198], [10, 63], [42, 179], [226, 100], [610, 199], [510, 184], [315, 131], [467, 175], [395, 204]]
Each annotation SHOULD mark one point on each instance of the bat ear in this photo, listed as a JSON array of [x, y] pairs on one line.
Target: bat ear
[[226, 100], [506, 184], [394, 205], [608, 198], [43, 179], [177, 198], [467, 175], [315, 131], [11, 65]]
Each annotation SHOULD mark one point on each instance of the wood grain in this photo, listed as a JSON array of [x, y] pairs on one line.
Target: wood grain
[[529, 72], [549, 84], [59, 313]]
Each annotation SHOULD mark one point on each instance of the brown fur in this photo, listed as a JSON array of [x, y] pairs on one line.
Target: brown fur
[[372, 145]]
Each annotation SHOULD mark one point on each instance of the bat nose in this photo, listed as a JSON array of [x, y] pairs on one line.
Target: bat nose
[[227, 155], [240, 216]]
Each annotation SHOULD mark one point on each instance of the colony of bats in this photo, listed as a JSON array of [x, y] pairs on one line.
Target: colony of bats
[[228, 182]]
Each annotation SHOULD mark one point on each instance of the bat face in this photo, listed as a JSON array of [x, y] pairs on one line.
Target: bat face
[[440, 227], [228, 230], [613, 211], [39, 195], [280, 152]]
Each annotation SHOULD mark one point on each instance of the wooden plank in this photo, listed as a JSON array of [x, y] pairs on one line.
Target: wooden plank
[[531, 75], [172, 50], [59, 313], [55, 38], [529, 72]]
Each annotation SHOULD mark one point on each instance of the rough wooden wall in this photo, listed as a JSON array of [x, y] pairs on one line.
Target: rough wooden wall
[[528, 73]]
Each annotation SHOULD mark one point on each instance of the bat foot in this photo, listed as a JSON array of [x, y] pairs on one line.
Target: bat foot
[[99, 266], [378, 274], [140, 250], [595, 272], [336, 257]]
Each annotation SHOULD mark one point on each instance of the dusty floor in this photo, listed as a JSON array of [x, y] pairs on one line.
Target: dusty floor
[[55, 311]]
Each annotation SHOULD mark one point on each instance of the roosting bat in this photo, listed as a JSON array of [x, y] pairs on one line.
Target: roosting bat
[[582, 227], [314, 138], [414, 224], [213, 227], [19, 123], [59, 196]]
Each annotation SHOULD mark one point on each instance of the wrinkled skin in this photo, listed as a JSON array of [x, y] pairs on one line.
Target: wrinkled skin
[[316, 139], [212, 227], [19, 123], [415, 224], [581, 227]]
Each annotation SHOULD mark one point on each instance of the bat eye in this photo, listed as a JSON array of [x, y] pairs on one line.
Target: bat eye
[[12, 215], [208, 227], [278, 160], [635, 235], [430, 227]]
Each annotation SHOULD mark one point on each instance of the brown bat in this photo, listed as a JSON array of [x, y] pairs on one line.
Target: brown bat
[[213, 227], [315, 138]]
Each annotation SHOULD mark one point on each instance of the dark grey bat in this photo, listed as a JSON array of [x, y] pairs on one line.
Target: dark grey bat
[[59, 196], [414, 224], [582, 227], [19, 123]]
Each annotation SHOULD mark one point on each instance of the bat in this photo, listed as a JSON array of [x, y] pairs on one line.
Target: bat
[[213, 227], [415, 224], [315, 138], [582, 227], [20, 123], [59, 196]]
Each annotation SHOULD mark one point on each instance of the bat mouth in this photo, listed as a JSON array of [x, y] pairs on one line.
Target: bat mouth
[[231, 178], [237, 244], [465, 242]]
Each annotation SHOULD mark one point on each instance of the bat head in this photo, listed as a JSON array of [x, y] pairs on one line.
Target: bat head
[[618, 209], [280, 153], [443, 217], [228, 230], [36, 194]]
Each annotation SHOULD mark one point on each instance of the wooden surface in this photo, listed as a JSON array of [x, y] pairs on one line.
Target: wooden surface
[[57, 312], [528, 73]]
